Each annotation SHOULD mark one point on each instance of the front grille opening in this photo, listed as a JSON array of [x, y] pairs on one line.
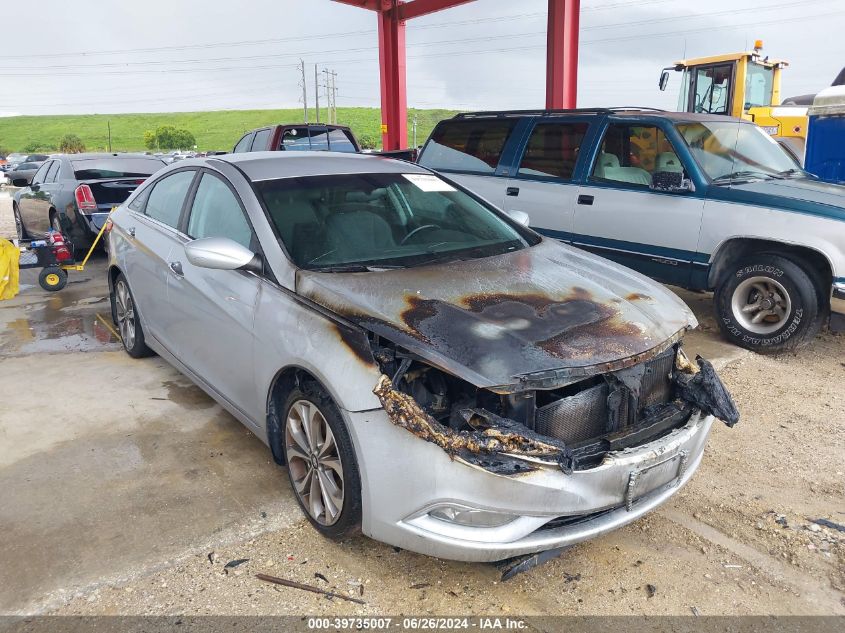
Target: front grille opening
[[603, 404]]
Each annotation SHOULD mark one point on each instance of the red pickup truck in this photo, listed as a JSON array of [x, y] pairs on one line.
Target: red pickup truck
[[309, 137]]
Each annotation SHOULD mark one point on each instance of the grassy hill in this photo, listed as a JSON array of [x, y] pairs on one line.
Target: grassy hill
[[213, 130]]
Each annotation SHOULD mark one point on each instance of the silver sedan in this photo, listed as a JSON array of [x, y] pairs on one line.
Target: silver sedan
[[427, 368]]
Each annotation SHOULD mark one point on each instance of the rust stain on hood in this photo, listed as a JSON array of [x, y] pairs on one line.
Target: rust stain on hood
[[545, 308]]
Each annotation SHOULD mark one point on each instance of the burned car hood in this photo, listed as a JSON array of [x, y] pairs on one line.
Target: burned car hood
[[546, 313]]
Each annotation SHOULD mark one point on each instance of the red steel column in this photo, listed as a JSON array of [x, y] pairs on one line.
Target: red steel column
[[394, 96], [562, 53]]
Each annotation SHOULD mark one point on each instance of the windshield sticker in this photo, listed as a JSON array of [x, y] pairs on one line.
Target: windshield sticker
[[429, 182]]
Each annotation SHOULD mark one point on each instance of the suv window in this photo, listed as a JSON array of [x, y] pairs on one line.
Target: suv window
[[295, 138], [41, 174], [216, 212], [259, 143], [473, 146], [244, 144], [632, 154], [165, 201], [552, 150]]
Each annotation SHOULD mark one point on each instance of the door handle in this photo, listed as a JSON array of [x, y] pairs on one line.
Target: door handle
[[176, 267], [512, 191], [584, 199], [131, 231]]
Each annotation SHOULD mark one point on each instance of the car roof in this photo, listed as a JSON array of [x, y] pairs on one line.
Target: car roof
[[92, 155], [271, 165], [624, 112]]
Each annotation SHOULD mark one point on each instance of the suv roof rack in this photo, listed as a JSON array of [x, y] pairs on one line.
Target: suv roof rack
[[502, 114]]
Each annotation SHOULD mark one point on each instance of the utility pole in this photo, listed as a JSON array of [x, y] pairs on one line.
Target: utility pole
[[414, 121], [317, 91], [304, 90], [334, 95], [108, 123]]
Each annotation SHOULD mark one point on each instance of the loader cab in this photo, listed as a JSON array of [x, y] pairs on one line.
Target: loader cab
[[744, 85], [732, 84]]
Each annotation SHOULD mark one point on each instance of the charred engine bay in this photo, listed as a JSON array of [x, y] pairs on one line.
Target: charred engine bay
[[573, 426]]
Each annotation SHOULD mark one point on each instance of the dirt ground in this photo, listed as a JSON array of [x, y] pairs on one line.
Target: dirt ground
[[135, 503]]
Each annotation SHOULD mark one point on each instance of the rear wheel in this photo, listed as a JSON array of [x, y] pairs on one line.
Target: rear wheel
[[321, 462], [127, 320], [768, 304]]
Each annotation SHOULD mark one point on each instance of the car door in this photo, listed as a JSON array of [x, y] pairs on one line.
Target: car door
[[543, 185], [472, 152], [152, 229], [29, 203], [619, 216], [213, 310], [47, 200]]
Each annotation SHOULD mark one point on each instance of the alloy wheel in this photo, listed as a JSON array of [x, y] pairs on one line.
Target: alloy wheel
[[125, 312], [314, 462], [18, 223], [761, 305]]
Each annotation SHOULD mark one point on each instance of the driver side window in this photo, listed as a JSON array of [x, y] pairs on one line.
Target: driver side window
[[637, 155]]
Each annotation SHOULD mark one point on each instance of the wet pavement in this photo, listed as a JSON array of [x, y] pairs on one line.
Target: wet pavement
[[111, 466]]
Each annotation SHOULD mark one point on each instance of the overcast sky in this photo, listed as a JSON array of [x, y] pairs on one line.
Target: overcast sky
[[90, 56]]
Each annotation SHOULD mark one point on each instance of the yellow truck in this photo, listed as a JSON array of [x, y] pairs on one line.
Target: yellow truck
[[745, 85]]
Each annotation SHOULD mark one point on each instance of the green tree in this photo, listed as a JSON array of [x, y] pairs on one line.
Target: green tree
[[169, 137], [150, 140], [71, 144], [368, 141]]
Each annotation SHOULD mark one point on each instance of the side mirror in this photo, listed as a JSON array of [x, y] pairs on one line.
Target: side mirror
[[671, 182], [20, 182], [519, 216], [221, 253], [664, 80]]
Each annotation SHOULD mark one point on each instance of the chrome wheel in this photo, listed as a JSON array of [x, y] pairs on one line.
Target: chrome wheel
[[56, 223], [314, 462], [761, 305], [125, 312]]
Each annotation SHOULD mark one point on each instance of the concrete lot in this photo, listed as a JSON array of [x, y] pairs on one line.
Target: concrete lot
[[119, 479]]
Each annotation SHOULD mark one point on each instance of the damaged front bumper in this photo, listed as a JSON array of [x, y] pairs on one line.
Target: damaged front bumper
[[550, 508]]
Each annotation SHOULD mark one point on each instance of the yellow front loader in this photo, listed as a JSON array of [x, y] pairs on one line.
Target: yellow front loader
[[745, 85]]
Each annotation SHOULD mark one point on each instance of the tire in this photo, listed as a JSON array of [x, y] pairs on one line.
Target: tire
[[127, 320], [52, 278], [20, 228], [307, 454], [56, 222], [777, 292]]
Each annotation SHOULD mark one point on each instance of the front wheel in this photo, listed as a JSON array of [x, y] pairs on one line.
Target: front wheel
[[52, 278], [768, 304], [20, 229], [321, 462]]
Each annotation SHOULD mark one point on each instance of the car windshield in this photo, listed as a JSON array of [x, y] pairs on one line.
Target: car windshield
[[25, 166], [728, 151], [94, 168], [366, 221]]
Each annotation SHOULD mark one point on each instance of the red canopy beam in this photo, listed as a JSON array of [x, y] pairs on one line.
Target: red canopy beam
[[562, 53], [561, 57]]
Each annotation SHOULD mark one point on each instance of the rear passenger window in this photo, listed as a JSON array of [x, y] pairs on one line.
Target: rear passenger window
[[216, 212], [553, 150], [244, 144], [472, 146], [54, 170], [165, 201], [632, 154], [262, 137], [339, 141]]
